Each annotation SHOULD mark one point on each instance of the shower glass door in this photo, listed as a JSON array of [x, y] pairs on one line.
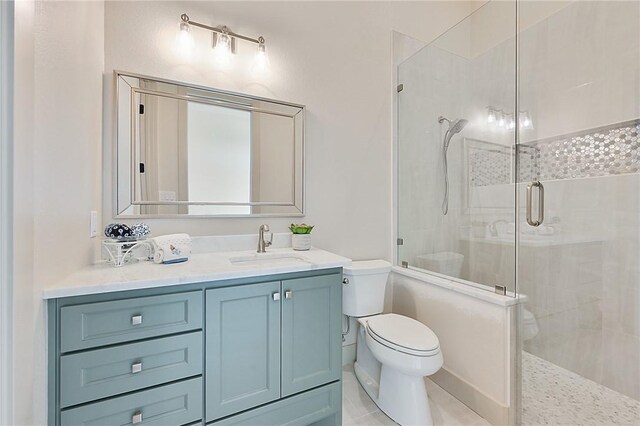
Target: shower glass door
[[457, 117], [579, 105]]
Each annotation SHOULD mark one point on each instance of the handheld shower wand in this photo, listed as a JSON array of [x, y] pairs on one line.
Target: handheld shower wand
[[455, 127]]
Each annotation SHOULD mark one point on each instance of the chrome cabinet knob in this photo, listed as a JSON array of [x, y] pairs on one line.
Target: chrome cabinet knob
[[136, 367], [136, 320], [288, 294], [136, 418], [276, 296]]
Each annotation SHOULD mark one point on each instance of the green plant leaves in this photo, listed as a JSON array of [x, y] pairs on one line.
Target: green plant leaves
[[302, 228]]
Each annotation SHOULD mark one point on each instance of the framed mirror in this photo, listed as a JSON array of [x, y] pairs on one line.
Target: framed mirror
[[185, 150]]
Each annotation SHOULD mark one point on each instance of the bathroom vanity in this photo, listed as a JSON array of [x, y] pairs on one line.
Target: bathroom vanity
[[224, 339]]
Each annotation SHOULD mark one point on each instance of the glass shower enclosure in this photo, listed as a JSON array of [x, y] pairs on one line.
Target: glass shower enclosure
[[456, 152], [518, 171]]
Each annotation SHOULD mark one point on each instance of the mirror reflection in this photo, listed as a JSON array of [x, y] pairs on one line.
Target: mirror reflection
[[185, 150]]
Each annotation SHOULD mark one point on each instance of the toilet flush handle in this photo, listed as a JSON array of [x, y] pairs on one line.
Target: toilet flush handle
[[345, 281]]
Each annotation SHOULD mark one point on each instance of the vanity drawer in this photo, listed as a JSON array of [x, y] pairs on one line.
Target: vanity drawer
[[103, 323], [100, 373], [176, 404], [298, 410]]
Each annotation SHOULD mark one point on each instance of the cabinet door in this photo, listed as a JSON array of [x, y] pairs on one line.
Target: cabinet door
[[242, 348], [311, 332]]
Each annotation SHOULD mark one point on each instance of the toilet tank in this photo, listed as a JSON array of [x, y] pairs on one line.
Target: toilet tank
[[364, 287]]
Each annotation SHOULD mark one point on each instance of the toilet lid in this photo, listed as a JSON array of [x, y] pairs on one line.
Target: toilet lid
[[402, 333]]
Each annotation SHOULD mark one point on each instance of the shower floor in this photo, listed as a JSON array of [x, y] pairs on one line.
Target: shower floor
[[552, 395]]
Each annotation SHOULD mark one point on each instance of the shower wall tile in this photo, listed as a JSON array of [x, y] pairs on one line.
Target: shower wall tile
[[621, 371], [607, 151], [580, 70], [435, 83]]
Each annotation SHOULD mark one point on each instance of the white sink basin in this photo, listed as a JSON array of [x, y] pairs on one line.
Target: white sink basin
[[268, 259]]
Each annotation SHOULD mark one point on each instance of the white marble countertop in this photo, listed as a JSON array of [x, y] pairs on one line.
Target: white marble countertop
[[201, 267]]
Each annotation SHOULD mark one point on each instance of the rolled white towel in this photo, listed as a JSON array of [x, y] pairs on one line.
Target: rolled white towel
[[173, 248]]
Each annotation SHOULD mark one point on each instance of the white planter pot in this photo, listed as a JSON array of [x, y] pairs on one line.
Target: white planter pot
[[301, 241]]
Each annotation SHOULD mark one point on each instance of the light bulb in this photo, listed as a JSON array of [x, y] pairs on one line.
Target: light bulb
[[261, 60], [224, 43], [491, 117], [184, 37], [525, 120], [222, 51]]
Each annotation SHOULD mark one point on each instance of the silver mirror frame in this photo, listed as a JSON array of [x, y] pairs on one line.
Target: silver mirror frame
[[299, 175]]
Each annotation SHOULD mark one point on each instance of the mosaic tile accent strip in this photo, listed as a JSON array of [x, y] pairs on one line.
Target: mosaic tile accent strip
[[490, 164], [605, 151]]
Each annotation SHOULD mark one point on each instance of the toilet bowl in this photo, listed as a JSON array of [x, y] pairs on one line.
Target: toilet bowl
[[394, 352]]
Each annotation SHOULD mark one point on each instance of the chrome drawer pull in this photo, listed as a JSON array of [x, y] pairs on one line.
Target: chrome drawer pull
[[288, 294], [136, 320], [136, 367], [276, 296], [136, 418]]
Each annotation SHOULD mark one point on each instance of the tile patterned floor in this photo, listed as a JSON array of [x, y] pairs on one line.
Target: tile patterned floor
[[552, 395], [359, 410]]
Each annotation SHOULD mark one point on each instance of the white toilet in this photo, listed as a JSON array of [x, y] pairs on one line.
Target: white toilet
[[394, 352]]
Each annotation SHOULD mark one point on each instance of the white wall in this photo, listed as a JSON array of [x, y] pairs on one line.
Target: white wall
[[7, 14], [24, 302], [334, 57], [476, 337], [59, 61]]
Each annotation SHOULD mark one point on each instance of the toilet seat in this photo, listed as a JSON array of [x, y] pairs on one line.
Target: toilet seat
[[403, 334]]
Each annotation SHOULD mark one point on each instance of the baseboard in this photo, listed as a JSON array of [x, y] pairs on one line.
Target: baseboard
[[348, 354], [490, 409]]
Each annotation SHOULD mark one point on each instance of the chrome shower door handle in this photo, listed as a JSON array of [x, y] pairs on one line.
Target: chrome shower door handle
[[540, 219]]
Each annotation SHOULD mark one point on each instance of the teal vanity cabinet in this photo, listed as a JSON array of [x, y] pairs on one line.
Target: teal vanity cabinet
[[263, 350], [243, 348], [271, 340], [311, 332]]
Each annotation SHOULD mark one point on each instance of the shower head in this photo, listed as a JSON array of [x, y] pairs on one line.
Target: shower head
[[455, 126]]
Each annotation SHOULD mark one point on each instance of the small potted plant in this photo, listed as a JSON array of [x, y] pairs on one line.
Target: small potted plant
[[301, 238]]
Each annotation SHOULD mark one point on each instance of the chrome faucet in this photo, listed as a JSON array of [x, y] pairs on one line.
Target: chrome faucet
[[262, 244]]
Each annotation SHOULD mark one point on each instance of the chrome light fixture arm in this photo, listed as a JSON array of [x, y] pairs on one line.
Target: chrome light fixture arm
[[221, 30]]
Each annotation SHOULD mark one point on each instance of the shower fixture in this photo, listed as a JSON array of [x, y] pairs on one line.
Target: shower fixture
[[455, 127]]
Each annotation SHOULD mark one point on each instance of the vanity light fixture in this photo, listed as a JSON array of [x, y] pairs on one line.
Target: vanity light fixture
[[491, 115], [504, 120], [224, 41], [261, 61], [501, 119], [510, 121], [185, 38], [525, 120]]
